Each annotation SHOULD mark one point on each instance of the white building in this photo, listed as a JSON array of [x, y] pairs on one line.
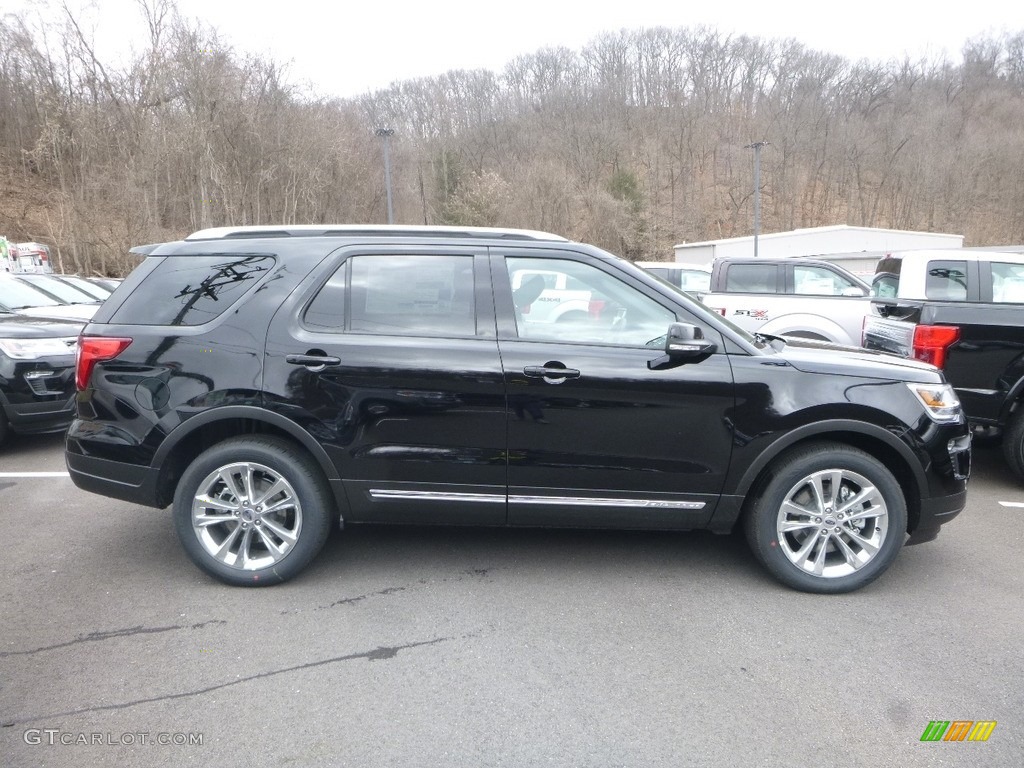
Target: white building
[[857, 248]]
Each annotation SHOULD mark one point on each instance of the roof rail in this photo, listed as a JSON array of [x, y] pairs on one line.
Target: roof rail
[[369, 230]]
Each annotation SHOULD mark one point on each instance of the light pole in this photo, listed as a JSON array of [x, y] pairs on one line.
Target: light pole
[[386, 134], [756, 146]]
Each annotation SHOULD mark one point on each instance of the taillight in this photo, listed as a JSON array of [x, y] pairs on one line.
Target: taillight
[[932, 342], [92, 350]]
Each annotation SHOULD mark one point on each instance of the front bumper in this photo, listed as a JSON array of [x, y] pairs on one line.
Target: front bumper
[[946, 496], [37, 397], [40, 418]]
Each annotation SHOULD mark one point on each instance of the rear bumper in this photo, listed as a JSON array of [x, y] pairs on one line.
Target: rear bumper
[[116, 479]]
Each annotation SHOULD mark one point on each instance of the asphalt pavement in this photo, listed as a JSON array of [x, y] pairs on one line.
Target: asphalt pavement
[[459, 647]]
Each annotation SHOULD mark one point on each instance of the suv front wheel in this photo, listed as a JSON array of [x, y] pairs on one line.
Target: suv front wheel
[[829, 519], [252, 511]]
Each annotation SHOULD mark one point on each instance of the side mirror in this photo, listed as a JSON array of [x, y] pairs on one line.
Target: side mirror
[[683, 343]]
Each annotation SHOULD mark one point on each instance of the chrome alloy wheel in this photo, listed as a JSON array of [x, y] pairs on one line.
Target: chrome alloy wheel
[[246, 516], [832, 523]]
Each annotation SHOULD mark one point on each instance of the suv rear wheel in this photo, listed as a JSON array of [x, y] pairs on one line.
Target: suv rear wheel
[[830, 519], [252, 511]]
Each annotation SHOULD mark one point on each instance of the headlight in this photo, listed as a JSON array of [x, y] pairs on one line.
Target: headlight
[[32, 349], [939, 400]]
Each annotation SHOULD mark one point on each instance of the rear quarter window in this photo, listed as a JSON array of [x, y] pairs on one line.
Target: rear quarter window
[[192, 290], [946, 281]]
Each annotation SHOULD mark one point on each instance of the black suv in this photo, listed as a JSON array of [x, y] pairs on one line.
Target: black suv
[[37, 374], [267, 380]]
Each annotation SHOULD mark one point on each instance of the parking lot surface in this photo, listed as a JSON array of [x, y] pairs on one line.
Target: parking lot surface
[[469, 647]]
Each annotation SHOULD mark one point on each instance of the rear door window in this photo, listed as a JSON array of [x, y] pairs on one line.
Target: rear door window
[[413, 295], [1007, 283]]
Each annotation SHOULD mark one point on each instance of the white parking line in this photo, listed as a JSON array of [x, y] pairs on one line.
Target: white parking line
[[1011, 503], [34, 474]]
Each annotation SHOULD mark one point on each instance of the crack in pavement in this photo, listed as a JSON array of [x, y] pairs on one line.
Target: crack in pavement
[[477, 572], [99, 635], [95, 637], [377, 654]]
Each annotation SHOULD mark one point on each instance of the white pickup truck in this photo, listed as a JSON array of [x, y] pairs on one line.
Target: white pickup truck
[[805, 298], [563, 299]]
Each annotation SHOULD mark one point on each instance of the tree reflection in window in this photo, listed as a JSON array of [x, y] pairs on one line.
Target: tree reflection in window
[[221, 279]]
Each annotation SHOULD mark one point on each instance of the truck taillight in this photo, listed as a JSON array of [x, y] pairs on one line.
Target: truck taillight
[[92, 350], [931, 342]]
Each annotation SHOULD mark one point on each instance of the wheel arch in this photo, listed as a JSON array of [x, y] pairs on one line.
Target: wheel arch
[[1012, 402], [806, 323], [573, 305], [206, 429], [877, 442]]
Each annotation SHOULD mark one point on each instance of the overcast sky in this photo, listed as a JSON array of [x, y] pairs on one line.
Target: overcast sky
[[350, 48]]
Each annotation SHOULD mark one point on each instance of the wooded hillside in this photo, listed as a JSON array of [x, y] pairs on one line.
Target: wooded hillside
[[636, 142]]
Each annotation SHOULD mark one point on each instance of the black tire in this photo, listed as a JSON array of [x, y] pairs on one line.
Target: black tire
[[280, 539], [1013, 444], [849, 559], [984, 437]]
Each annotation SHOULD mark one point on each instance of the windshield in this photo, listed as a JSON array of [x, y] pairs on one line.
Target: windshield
[[62, 291], [15, 294]]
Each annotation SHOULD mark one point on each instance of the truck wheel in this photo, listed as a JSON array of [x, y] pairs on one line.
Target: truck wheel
[[986, 436], [828, 518], [574, 316], [1013, 444], [252, 511]]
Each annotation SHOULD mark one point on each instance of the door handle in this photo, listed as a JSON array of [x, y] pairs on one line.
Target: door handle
[[547, 372], [312, 361]]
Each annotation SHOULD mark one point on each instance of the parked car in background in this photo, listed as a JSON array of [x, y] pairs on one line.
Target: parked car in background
[[59, 289], [268, 381], [24, 298], [97, 291], [962, 311], [110, 283], [791, 297], [692, 278], [37, 374]]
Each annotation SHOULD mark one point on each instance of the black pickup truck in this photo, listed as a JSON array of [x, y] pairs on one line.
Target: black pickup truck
[[962, 311]]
